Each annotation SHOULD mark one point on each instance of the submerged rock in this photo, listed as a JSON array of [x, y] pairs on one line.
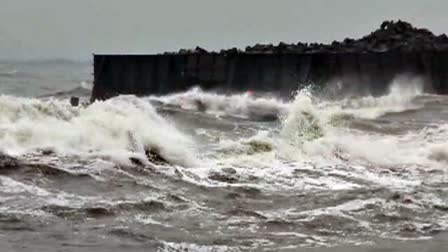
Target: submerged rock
[[8, 163], [136, 161], [74, 101], [220, 177], [68, 212], [154, 156]]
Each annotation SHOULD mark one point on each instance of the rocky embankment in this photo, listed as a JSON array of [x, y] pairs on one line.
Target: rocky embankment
[[394, 36]]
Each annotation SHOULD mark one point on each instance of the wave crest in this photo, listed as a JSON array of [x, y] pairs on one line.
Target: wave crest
[[121, 126], [245, 105]]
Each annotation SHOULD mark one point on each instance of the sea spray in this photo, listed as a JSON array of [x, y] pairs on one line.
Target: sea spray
[[303, 122], [400, 97]]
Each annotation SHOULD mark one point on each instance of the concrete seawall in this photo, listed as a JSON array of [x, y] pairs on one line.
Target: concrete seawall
[[366, 65], [279, 73]]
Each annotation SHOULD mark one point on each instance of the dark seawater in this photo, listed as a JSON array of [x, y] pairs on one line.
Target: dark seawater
[[228, 173]]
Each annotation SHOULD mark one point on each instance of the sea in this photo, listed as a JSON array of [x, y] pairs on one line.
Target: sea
[[202, 171]]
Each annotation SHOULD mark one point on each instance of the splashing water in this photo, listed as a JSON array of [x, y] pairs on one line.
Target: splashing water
[[103, 128], [401, 97], [303, 123], [239, 105]]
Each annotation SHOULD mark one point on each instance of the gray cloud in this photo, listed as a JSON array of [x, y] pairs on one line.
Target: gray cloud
[[75, 29]]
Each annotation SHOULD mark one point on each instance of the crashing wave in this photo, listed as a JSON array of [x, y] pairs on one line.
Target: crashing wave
[[101, 129], [245, 105]]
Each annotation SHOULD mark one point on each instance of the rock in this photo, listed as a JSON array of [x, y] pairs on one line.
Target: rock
[[184, 51], [7, 163], [47, 151], [233, 51], [152, 155], [442, 38], [155, 157], [200, 50], [97, 212], [384, 25], [443, 208], [136, 161], [222, 177], [74, 101], [395, 196], [391, 36]]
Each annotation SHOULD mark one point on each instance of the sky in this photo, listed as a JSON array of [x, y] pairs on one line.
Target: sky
[[74, 29]]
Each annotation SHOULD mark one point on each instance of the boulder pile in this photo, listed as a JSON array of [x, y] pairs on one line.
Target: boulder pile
[[397, 36]]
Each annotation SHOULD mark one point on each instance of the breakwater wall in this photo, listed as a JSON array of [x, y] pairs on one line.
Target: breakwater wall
[[367, 65], [279, 73]]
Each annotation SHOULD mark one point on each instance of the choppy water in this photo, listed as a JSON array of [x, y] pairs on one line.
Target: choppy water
[[245, 172]]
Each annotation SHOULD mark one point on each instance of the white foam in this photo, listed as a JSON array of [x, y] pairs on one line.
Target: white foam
[[172, 246], [308, 131], [122, 127], [118, 127], [147, 220]]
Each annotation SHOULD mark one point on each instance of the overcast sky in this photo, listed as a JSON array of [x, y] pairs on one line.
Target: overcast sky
[[77, 28]]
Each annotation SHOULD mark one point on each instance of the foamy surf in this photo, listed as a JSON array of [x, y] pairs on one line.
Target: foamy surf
[[119, 127]]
